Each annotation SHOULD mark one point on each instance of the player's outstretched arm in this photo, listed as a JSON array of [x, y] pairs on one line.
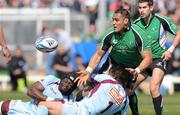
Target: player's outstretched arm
[[95, 60], [3, 44], [35, 91], [147, 60], [168, 54]]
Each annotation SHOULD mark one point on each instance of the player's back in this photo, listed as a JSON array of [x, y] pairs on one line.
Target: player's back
[[106, 98]]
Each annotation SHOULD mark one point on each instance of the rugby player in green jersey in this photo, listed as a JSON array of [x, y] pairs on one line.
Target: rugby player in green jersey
[[157, 27], [129, 44]]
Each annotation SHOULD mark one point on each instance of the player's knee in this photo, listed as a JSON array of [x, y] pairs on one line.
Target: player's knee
[[154, 89]]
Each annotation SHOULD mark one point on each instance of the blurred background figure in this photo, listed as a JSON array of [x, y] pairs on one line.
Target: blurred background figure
[[92, 10], [90, 35], [17, 68], [79, 63], [174, 64], [61, 61]]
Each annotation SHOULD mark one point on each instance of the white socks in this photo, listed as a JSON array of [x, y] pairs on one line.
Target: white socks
[[1, 102]]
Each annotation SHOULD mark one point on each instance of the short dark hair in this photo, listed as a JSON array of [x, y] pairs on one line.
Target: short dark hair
[[150, 2], [71, 76], [123, 12], [123, 76]]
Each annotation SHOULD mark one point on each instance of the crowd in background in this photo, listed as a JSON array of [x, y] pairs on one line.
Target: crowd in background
[[165, 7]]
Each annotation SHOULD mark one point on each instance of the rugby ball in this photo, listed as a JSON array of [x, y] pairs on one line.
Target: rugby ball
[[46, 44]]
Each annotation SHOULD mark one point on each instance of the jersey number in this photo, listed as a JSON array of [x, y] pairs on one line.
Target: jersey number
[[115, 95]]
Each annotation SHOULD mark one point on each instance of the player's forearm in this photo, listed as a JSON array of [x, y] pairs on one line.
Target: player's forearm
[[175, 42], [33, 93], [2, 39], [95, 60], [176, 39], [147, 60]]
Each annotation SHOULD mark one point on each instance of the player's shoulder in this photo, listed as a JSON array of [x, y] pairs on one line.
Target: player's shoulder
[[51, 78], [136, 28], [107, 33], [161, 17], [137, 20]]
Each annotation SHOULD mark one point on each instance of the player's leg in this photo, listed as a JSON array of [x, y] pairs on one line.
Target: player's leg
[[133, 100], [155, 84], [54, 107]]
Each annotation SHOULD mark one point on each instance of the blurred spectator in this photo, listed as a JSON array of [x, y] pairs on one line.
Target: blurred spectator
[[61, 61], [175, 17], [2, 3], [63, 37], [26, 4], [48, 4], [79, 63], [91, 35], [17, 68], [92, 10], [159, 6], [170, 5], [13, 3], [134, 9], [174, 64]]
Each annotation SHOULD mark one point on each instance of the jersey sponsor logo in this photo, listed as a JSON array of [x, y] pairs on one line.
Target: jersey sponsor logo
[[159, 64], [162, 64], [154, 29], [114, 42], [115, 95]]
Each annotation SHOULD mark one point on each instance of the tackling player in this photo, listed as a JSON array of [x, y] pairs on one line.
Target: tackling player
[[157, 26], [106, 98], [48, 89]]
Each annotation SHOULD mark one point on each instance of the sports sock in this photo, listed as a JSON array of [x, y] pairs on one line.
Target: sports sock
[[133, 103], [1, 102], [158, 105], [42, 110]]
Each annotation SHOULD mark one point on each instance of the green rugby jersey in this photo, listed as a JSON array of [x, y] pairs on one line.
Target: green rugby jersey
[[157, 30], [126, 48]]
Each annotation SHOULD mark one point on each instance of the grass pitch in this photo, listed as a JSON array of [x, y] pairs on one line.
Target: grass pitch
[[171, 102]]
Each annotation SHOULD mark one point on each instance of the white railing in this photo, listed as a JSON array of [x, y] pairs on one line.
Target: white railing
[[40, 15]]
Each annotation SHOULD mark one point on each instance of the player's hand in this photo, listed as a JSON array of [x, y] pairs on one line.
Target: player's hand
[[166, 55], [133, 72], [82, 78], [6, 54]]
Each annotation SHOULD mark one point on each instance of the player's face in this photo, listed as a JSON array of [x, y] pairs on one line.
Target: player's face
[[118, 22], [145, 10], [65, 85]]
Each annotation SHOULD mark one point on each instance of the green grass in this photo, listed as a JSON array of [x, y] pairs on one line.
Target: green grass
[[13, 95], [171, 102]]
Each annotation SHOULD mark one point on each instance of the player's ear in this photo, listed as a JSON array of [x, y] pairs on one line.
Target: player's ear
[[151, 8], [126, 21]]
